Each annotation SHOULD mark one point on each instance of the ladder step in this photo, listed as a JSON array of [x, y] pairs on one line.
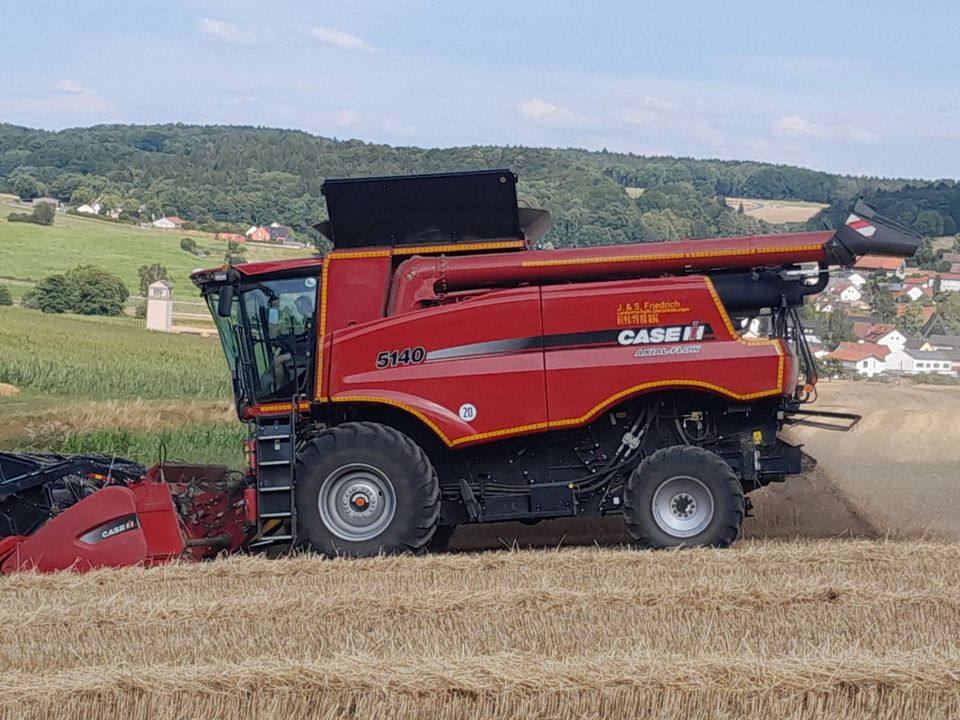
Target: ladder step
[[273, 437], [276, 515], [265, 463], [285, 488]]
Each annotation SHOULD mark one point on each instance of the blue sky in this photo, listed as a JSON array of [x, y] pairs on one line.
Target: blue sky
[[864, 88]]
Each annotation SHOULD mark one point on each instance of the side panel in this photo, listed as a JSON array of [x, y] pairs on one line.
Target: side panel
[[471, 371], [353, 291], [607, 341]]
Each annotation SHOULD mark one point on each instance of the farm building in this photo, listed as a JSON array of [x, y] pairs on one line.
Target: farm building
[[232, 237], [279, 233], [168, 223], [872, 264], [257, 233]]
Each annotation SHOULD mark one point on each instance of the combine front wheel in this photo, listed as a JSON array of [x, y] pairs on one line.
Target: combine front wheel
[[363, 489], [683, 496]]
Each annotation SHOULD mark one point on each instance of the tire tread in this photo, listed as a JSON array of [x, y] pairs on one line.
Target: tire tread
[[420, 482], [639, 520]]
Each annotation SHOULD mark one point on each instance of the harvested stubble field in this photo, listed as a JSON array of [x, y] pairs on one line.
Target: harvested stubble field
[[803, 629], [774, 629]]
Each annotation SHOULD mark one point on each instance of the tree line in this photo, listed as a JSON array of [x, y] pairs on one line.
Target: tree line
[[225, 178]]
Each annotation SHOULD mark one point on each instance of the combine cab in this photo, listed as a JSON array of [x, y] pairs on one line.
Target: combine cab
[[436, 369]]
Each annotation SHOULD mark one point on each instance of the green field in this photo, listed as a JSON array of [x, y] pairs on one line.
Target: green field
[[31, 252], [107, 385], [88, 384]]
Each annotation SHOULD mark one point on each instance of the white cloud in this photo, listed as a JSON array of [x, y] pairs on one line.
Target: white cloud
[[69, 98], [800, 127], [68, 86], [227, 32], [672, 120], [339, 38], [542, 112], [794, 125], [861, 136], [639, 116], [346, 118], [652, 102]]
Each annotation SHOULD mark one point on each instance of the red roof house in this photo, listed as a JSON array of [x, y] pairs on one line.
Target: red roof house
[[258, 234], [875, 263]]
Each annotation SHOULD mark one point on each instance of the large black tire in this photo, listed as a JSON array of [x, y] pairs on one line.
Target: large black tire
[[363, 489], [683, 496]]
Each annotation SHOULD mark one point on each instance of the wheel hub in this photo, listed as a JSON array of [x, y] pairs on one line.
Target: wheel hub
[[360, 502], [356, 502], [682, 506]]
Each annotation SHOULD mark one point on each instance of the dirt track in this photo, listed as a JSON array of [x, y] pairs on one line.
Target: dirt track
[[900, 468], [897, 474]]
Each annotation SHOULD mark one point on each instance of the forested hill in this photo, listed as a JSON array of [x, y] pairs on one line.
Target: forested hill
[[223, 177]]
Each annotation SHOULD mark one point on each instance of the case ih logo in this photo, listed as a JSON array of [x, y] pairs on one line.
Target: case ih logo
[[110, 529], [855, 222], [666, 334]]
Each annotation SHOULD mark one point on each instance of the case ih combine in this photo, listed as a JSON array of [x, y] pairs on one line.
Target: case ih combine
[[436, 369]]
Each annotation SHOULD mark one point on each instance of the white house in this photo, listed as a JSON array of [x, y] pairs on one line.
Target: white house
[[867, 359], [168, 223], [93, 209], [850, 294], [908, 361], [949, 282], [895, 340], [857, 280], [948, 345]]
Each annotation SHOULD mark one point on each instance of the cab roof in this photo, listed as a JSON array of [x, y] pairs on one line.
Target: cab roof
[[267, 267]]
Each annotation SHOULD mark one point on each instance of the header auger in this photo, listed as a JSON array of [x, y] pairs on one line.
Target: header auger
[[436, 368]]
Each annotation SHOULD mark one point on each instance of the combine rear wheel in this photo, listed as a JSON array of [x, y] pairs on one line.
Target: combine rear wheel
[[364, 488], [683, 496]]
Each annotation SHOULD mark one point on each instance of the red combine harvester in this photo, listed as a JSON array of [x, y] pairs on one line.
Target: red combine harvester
[[436, 369]]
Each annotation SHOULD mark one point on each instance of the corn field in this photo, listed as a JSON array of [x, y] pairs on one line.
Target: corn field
[[84, 357], [773, 630]]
